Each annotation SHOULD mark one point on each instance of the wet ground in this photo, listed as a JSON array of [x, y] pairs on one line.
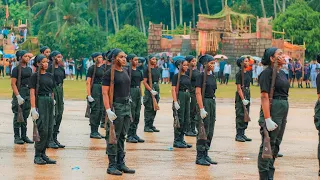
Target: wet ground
[[85, 158]]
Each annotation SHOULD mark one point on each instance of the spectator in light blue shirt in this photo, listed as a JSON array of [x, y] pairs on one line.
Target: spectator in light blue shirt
[[172, 68]]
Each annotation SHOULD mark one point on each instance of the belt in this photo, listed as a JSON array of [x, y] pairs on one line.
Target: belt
[[25, 85], [60, 84], [248, 88], [46, 95], [122, 100], [184, 90], [155, 83], [280, 98], [210, 97], [135, 86], [98, 83]]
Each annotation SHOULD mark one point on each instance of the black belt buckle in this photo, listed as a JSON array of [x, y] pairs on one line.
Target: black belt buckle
[[155, 83], [25, 85], [135, 86]]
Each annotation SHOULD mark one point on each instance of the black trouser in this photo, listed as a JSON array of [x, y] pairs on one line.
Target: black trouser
[[25, 107], [226, 78], [135, 110], [79, 72], [149, 113], [240, 123], [96, 106], [59, 107], [2, 71], [45, 121], [183, 114], [317, 123]]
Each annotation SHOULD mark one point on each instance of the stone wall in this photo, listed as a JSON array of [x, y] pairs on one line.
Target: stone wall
[[154, 38]]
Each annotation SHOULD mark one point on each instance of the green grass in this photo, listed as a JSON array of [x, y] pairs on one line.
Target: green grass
[[76, 90]]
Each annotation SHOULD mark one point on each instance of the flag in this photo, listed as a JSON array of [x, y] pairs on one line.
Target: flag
[[7, 11]]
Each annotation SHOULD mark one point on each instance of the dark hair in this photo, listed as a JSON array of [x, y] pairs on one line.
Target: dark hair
[[189, 58], [178, 62], [96, 54], [267, 54], [43, 48], [114, 53], [130, 57], [240, 60], [20, 53], [205, 59], [53, 54], [38, 59]]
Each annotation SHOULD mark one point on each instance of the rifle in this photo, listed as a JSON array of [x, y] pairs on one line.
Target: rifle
[[202, 130], [154, 101], [36, 136], [176, 123], [87, 114], [246, 113], [20, 118], [112, 132], [267, 151], [106, 117]]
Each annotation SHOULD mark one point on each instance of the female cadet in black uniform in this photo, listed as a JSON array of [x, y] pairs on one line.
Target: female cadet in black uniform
[[191, 126], [181, 102], [120, 114], [42, 108], [95, 94], [149, 112], [317, 113], [207, 106], [21, 97], [45, 50], [242, 98], [274, 119], [135, 93], [59, 76]]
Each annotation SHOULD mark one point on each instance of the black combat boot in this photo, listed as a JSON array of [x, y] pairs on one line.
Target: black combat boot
[[55, 139], [94, 133], [138, 139], [147, 129], [154, 129], [46, 158], [17, 139], [102, 125], [271, 174], [244, 136], [208, 158], [263, 176], [182, 140], [24, 136], [38, 159], [52, 144], [179, 144], [279, 155], [102, 136], [112, 169], [201, 160], [121, 164], [131, 139], [239, 137]]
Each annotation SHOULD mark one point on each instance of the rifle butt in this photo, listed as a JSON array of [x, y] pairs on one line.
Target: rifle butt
[[202, 131], [20, 118], [35, 134], [266, 151], [112, 134], [176, 122], [87, 114], [246, 114], [155, 104]]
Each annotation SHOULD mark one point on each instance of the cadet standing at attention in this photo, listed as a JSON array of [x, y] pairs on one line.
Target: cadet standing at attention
[[118, 111], [135, 93], [105, 66], [274, 116], [317, 112], [94, 90], [42, 104], [21, 97], [193, 73], [181, 86], [242, 99], [59, 75], [149, 109], [45, 50], [207, 106]]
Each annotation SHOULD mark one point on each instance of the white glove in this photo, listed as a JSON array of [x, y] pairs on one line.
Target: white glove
[[176, 105], [203, 113], [245, 102], [153, 92], [54, 102], [34, 114], [141, 99], [270, 124], [90, 98], [20, 100], [111, 115]]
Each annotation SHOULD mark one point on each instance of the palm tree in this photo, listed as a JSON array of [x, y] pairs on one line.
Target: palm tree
[[181, 14], [116, 26], [199, 2], [142, 17], [208, 12], [315, 5], [43, 8], [94, 7], [263, 9], [275, 8]]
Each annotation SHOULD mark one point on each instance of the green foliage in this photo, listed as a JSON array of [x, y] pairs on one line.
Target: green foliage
[[18, 11], [301, 23], [130, 40], [48, 39], [82, 40]]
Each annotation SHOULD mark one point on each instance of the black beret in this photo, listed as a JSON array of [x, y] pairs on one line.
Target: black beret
[[130, 57], [20, 53], [267, 54], [178, 62], [53, 54], [96, 54], [141, 59], [38, 59], [113, 53], [189, 58], [205, 59], [43, 48], [240, 60]]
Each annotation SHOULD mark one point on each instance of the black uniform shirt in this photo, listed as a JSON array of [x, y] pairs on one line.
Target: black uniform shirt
[[59, 74], [318, 83], [155, 73], [121, 83], [247, 79], [106, 68], [281, 85], [185, 82], [45, 84], [136, 77], [195, 74], [26, 73], [211, 85], [99, 74]]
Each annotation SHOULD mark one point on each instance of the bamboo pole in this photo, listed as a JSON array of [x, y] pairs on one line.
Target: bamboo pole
[[184, 28]]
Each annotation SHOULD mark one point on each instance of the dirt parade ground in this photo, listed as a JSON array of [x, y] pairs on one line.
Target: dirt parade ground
[[85, 158]]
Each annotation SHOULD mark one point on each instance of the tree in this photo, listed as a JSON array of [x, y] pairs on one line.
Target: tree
[[263, 9], [315, 5], [171, 14], [181, 13], [200, 7], [142, 17], [115, 25], [275, 8], [130, 40], [18, 11], [208, 12]]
